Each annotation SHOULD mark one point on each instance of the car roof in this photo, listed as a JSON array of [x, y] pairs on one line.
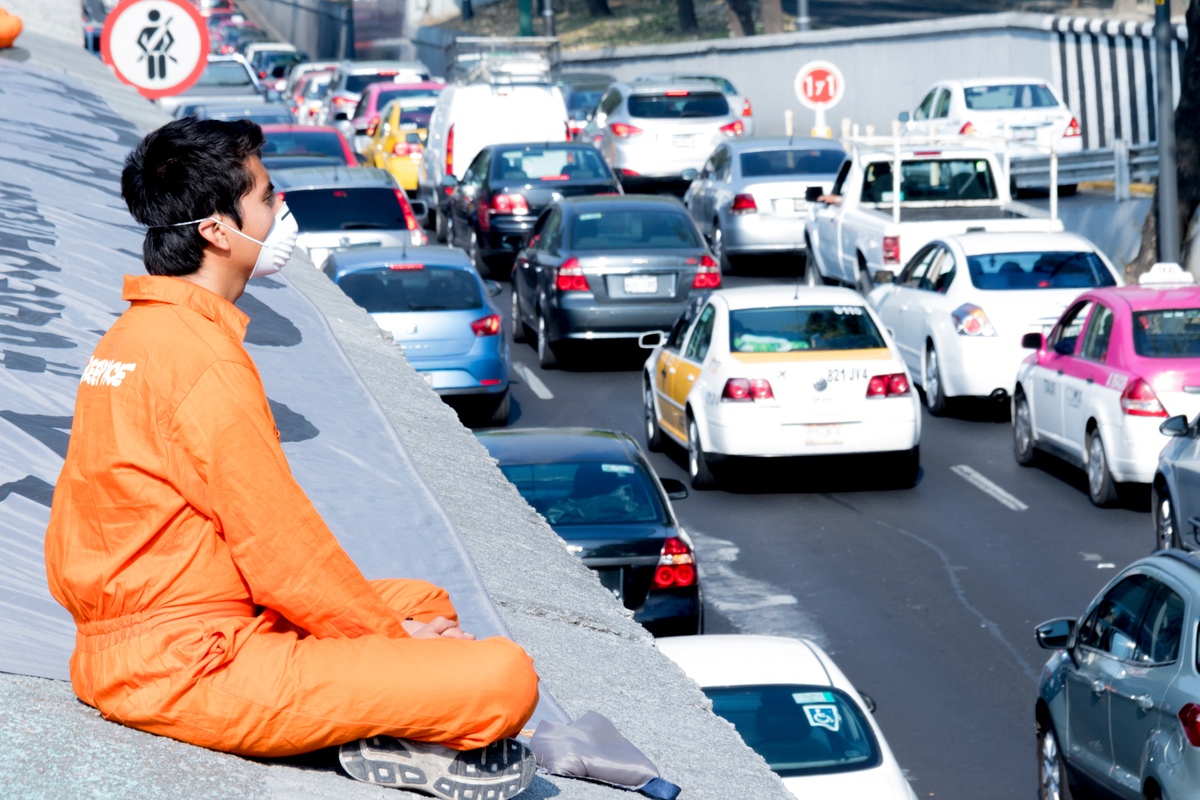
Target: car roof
[[1149, 297], [911, 151], [644, 202], [1179, 564], [539, 145], [788, 295], [580, 79], [437, 255], [784, 142], [994, 81], [747, 660], [553, 445], [332, 177], [983, 242], [658, 87]]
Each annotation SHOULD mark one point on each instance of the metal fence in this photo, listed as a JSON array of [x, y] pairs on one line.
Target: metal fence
[[1121, 164]]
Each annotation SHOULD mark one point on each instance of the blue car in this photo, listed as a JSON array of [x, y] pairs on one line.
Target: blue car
[[438, 309]]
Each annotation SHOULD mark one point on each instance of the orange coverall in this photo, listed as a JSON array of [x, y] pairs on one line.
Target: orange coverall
[[213, 604]]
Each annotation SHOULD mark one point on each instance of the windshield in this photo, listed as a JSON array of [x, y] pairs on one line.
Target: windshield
[[295, 143], [782, 330], [224, 73], [388, 96], [930, 180], [1173, 333], [760, 163], [678, 105], [263, 116], [1038, 271], [632, 230], [534, 164], [346, 209], [1002, 98], [799, 730], [414, 288], [587, 492]]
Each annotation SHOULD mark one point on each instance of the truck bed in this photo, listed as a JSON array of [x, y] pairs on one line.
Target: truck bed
[[952, 213]]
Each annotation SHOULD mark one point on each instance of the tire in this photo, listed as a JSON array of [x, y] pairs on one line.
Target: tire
[[1022, 421], [477, 260], [1054, 779], [500, 409], [439, 226], [718, 248], [547, 358], [698, 469], [1067, 189], [935, 392], [654, 436], [908, 468], [1166, 532], [1101, 488], [520, 333]]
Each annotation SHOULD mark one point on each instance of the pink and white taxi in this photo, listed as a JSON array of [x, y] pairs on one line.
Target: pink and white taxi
[[1119, 361]]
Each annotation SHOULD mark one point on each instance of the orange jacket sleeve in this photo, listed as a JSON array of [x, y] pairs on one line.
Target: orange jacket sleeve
[[226, 460]]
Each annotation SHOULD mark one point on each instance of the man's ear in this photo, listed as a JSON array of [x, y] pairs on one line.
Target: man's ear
[[214, 234]]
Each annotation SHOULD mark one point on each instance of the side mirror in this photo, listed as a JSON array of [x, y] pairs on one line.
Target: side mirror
[[675, 489], [884, 276], [903, 116], [689, 174], [1055, 634], [449, 182], [493, 288], [1033, 341], [419, 208], [1175, 426], [868, 701], [651, 340], [813, 193]]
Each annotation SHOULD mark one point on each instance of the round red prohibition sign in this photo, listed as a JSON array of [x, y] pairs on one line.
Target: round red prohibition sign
[[819, 84], [159, 47]]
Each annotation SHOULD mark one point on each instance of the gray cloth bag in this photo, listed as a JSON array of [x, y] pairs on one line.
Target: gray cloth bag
[[593, 749]]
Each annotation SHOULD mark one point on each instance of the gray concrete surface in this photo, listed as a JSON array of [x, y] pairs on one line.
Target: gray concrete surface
[[57, 19]]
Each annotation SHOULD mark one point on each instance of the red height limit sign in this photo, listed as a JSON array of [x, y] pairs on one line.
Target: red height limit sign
[[819, 86]]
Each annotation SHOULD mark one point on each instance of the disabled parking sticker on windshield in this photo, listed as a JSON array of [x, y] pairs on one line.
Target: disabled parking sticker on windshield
[[825, 716], [624, 469]]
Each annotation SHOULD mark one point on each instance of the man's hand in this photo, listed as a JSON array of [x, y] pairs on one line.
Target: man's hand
[[440, 627]]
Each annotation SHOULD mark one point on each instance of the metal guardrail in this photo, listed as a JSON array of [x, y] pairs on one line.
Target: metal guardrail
[[1121, 164]]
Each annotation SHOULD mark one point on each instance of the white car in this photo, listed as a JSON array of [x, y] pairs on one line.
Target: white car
[[960, 306], [794, 707], [781, 371]]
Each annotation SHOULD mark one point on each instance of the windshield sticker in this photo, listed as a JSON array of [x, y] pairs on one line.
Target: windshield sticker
[[825, 716], [624, 469], [853, 311], [812, 697], [590, 216], [752, 343]]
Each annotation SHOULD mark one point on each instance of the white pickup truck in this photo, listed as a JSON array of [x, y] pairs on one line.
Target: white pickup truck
[[859, 230]]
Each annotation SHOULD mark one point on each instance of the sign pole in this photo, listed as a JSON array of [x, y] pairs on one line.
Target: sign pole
[[1168, 187]]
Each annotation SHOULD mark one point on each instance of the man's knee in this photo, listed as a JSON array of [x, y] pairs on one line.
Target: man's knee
[[507, 672]]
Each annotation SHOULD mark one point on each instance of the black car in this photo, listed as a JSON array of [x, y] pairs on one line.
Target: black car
[[507, 186], [607, 268], [599, 494]]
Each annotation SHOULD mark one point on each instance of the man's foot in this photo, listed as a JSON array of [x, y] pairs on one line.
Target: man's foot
[[497, 772]]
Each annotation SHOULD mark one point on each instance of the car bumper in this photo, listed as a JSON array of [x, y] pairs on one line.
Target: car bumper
[[762, 233], [584, 318], [980, 366], [464, 374], [671, 612], [654, 163], [505, 235], [745, 430], [1132, 448]]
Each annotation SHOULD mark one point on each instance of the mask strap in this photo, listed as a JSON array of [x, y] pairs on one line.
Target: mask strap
[[214, 219]]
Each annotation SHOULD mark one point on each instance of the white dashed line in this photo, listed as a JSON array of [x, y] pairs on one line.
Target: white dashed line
[[532, 381], [987, 487]]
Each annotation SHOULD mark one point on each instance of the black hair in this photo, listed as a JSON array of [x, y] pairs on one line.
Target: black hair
[[187, 169]]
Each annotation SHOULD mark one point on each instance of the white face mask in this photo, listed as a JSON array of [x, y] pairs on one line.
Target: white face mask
[[276, 249]]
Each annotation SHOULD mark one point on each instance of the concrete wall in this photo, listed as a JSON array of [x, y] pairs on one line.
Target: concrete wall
[[322, 28], [58, 19]]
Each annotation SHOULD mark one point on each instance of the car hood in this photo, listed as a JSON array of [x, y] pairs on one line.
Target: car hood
[[883, 782]]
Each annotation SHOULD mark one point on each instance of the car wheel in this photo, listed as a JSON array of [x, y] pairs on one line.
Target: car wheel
[[1022, 422], [1067, 189], [498, 417], [718, 248], [1165, 532], [935, 392], [547, 358], [1053, 779], [1101, 487], [440, 226], [481, 266], [520, 333], [698, 469], [654, 437]]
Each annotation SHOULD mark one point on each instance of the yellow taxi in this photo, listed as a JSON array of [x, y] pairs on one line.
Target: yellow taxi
[[397, 139]]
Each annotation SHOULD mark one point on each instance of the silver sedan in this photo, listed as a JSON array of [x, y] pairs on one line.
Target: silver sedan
[[749, 197]]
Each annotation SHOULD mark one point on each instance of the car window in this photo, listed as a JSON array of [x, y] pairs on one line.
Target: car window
[[401, 288], [359, 83], [224, 73], [678, 105], [698, 345], [479, 169], [551, 236], [587, 492], [1099, 331], [1009, 96], [388, 95], [782, 330], [914, 273], [709, 169], [675, 340], [1111, 627], [531, 163], [941, 179], [360, 110], [941, 274], [294, 143], [610, 102], [942, 108], [721, 161], [760, 163], [799, 729], [1068, 329], [632, 230], [1037, 270], [926, 106], [583, 99], [346, 209], [1170, 333], [841, 177], [1161, 628]]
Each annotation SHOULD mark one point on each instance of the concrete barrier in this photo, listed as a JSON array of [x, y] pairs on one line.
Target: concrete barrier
[[58, 19]]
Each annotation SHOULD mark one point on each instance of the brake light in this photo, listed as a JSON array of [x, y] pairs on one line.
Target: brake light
[[735, 128], [509, 204], [406, 266], [312, 112], [339, 100], [1139, 400], [388, 72], [567, 125], [746, 112], [746, 390], [1189, 716], [450, 151], [1072, 128], [676, 565], [630, 173], [623, 131], [708, 276], [490, 382], [676, 93], [410, 220], [894, 385], [968, 129], [413, 151], [743, 204], [488, 326], [969, 320], [570, 277], [373, 125], [262, 73], [891, 249]]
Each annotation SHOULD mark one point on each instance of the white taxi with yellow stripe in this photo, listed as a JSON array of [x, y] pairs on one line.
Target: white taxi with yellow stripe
[[781, 371]]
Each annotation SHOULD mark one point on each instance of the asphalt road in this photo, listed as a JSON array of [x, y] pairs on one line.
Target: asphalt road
[[926, 597]]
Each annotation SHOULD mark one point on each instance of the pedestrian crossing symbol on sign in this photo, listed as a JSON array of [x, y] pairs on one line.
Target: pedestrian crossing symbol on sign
[[158, 46]]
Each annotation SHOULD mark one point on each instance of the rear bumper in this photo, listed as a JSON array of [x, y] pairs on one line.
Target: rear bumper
[[743, 430], [582, 317], [762, 233], [658, 163], [465, 374], [671, 612], [505, 236], [978, 366], [1132, 448]]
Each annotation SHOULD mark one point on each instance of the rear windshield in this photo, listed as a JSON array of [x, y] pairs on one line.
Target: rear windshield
[[295, 143], [782, 330], [403, 290], [346, 209], [584, 99], [679, 105], [1013, 95], [587, 492], [799, 730], [930, 180], [266, 115], [534, 164], [417, 117], [1038, 271], [632, 230], [1173, 333], [224, 73], [357, 83], [761, 163]]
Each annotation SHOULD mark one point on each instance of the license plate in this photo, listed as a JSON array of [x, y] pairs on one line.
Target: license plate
[[822, 434], [683, 140], [1024, 134], [428, 376], [641, 284], [613, 580]]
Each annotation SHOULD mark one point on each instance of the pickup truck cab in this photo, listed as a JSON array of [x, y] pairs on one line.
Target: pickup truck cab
[[854, 232]]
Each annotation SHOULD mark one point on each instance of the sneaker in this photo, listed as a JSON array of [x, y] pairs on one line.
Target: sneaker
[[499, 771]]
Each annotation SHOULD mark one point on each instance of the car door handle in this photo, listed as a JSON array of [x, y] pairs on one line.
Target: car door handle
[[1091, 380], [1060, 372], [1143, 701], [1098, 687]]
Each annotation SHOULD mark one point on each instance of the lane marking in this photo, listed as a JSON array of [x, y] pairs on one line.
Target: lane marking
[[987, 487], [1106, 566], [532, 381]]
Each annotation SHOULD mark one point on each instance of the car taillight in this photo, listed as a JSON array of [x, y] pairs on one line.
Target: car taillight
[[891, 249], [262, 73], [630, 173], [373, 125], [743, 204], [735, 128], [312, 112], [570, 277], [623, 131], [413, 151], [1139, 400], [893, 385], [746, 111], [567, 125], [708, 276], [746, 390], [969, 320], [509, 204], [676, 565], [450, 150], [338, 100], [1189, 716], [968, 129], [1072, 128], [410, 220], [488, 326]]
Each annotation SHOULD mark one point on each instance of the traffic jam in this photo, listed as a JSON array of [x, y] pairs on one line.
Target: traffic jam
[[791, 397]]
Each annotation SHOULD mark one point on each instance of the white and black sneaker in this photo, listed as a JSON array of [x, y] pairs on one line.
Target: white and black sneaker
[[499, 771]]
